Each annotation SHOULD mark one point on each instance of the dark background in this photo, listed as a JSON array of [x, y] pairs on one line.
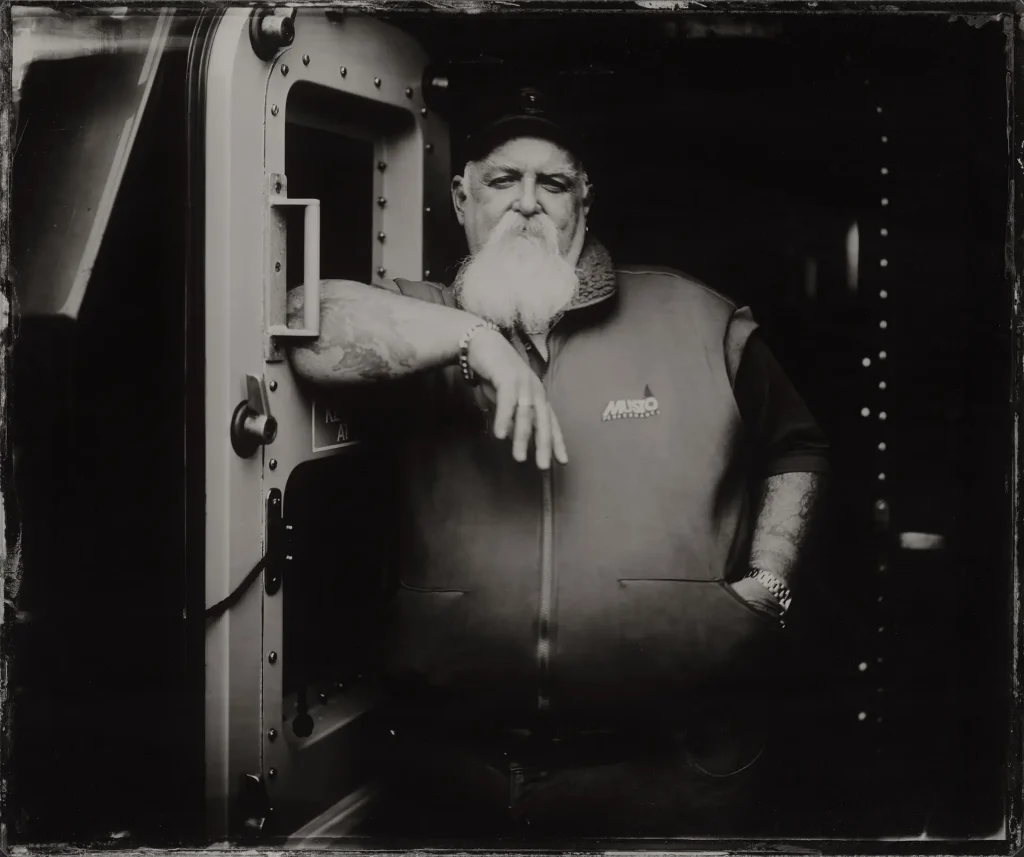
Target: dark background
[[731, 149]]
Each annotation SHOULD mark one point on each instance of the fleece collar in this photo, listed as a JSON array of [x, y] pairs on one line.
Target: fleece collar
[[596, 274]]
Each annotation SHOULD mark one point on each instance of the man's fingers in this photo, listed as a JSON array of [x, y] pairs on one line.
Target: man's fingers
[[523, 424], [557, 440], [542, 435], [503, 412]]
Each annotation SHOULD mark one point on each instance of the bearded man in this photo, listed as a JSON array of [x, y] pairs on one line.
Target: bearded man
[[587, 646]]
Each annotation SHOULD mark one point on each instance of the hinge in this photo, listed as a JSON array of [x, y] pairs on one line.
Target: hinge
[[280, 543], [253, 808]]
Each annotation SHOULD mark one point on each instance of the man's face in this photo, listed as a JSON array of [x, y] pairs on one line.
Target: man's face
[[524, 209], [533, 177]]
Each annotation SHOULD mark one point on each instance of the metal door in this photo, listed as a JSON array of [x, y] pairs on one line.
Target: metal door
[[359, 80]]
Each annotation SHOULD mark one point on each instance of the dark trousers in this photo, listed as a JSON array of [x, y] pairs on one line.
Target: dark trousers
[[706, 781]]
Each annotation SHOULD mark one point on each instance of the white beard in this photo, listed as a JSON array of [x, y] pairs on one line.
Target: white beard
[[518, 278]]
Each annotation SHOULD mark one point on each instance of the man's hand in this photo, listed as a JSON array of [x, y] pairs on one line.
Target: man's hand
[[758, 596], [521, 404]]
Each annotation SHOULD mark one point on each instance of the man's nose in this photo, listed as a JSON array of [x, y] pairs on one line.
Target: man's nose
[[527, 203]]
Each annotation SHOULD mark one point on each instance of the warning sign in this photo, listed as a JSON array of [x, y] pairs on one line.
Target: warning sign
[[331, 428]]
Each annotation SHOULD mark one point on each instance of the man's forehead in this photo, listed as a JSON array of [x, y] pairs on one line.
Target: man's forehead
[[531, 154]]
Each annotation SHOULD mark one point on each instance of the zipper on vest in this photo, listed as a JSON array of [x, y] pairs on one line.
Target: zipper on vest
[[547, 590], [547, 563]]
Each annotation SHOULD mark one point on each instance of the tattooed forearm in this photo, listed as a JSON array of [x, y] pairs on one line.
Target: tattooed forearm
[[368, 334], [789, 508]]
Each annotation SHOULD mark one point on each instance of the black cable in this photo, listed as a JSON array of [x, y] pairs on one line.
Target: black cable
[[226, 604]]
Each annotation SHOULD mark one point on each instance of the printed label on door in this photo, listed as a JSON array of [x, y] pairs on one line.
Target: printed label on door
[[331, 428]]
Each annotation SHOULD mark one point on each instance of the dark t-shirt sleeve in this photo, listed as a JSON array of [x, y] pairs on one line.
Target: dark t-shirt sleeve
[[782, 434]]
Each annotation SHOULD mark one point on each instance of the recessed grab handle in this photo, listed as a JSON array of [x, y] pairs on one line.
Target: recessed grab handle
[[310, 273]]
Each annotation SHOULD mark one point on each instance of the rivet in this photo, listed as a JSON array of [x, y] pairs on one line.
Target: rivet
[[273, 464], [883, 324], [882, 567], [273, 110], [284, 70], [272, 657], [882, 447], [426, 273], [881, 355], [883, 294], [885, 232], [430, 147], [885, 171], [865, 362], [423, 111], [426, 210], [865, 412], [381, 201], [380, 237], [272, 773], [881, 629], [343, 71], [323, 697], [380, 272], [884, 263], [376, 82], [878, 719], [882, 416], [881, 478], [273, 386], [879, 660], [272, 735], [381, 166], [878, 109], [862, 666], [885, 139], [880, 599], [882, 385], [862, 715], [305, 59], [885, 200], [277, 266], [408, 92]]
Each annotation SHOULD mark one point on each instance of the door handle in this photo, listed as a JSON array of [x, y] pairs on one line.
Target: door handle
[[276, 314], [252, 424]]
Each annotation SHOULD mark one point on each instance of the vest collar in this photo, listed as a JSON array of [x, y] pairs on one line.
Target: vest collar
[[596, 274]]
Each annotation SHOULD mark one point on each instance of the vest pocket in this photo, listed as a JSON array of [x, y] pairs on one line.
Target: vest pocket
[[427, 633], [690, 643]]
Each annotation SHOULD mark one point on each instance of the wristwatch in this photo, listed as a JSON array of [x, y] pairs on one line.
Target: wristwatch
[[774, 585]]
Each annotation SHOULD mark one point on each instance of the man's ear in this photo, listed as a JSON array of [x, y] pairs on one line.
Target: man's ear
[[459, 198]]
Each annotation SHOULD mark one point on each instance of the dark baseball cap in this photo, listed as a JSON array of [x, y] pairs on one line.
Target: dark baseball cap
[[526, 111]]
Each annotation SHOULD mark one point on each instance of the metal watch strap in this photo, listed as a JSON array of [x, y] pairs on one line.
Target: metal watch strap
[[774, 585], [471, 331]]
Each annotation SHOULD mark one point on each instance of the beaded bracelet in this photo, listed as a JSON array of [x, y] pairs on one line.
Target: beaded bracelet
[[468, 373]]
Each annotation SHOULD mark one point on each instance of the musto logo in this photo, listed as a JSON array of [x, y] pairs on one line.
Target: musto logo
[[632, 409]]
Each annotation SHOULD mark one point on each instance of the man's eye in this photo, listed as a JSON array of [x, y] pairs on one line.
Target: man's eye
[[554, 187], [502, 182]]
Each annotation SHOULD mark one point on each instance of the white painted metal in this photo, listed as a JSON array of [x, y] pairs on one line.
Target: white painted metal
[[247, 113]]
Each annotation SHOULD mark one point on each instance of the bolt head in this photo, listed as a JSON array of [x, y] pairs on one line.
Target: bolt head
[[274, 110], [343, 71], [376, 82], [273, 386], [423, 111], [381, 201], [271, 773], [426, 273], [408, 92], [273, 464], [430, 147], [305, 59], [272, 657], [323, 697], [380, 237], [284, 70], [381, 166], [272, 735], [277, 266], [380, 272]]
